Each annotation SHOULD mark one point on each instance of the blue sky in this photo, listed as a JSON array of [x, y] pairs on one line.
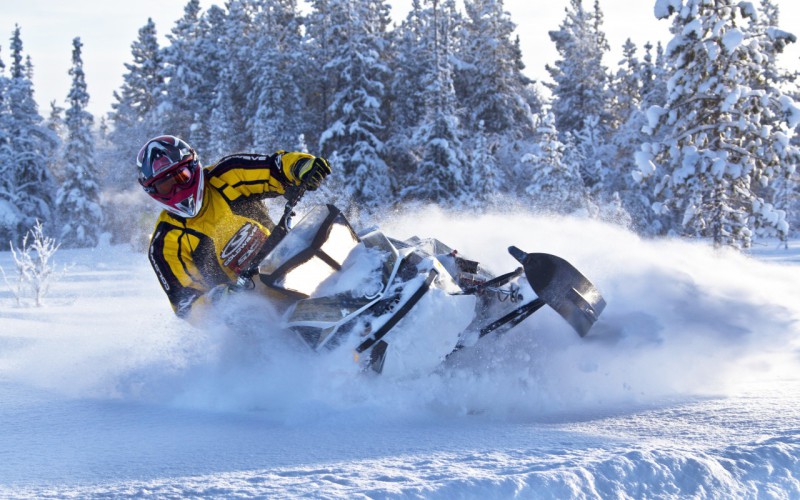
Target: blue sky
[[107, 28]]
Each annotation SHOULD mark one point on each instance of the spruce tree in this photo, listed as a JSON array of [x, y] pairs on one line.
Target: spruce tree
[[182, 74], [276, 98], [612, 147], [55, 123], [230, 113], [579, 77], [439, 177], [213, 55], [485, 181], [356, 108], [780, 194], [641, 82], [554, 184], [626, 85], [725, 126], [9, 214], [78, 199], [490, 83], [134, 115], [317, 48], [133, 120], [582, 103], [25, 153], [407, 106]]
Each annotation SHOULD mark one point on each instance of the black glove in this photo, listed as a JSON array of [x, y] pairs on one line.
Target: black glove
[[310, 172]]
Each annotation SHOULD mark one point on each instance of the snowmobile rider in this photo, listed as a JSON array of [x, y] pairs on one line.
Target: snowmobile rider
[[214, 222]]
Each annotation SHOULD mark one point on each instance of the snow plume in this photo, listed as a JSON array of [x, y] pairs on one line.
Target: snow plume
[[683, 320]]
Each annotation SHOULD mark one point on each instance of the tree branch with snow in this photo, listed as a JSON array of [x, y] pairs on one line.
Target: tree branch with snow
[[35, 267]]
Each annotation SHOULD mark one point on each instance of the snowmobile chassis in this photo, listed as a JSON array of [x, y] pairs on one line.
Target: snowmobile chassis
[[556, 283]]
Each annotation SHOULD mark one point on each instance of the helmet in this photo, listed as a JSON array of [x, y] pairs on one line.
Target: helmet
[[170, 172]]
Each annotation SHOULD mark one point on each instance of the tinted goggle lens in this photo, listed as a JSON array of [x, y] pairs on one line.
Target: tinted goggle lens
[[178, 177]]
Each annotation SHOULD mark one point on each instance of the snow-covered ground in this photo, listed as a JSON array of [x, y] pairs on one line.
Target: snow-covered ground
[[687, 386]]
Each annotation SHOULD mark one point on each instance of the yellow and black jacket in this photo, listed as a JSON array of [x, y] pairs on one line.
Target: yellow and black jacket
[[191, 256]]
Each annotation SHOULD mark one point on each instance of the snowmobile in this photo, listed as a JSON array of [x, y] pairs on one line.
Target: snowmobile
[[404, 305]]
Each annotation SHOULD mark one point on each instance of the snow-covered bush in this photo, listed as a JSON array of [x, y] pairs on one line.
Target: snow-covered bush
[[35, 267]]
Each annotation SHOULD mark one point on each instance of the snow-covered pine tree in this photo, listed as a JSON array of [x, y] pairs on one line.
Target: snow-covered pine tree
[[774, 41], [183, 75], [25, 154], [134, 115], [654, 76], [780, 193], [726, 128], [626, 85], [213, 55], [55, 120], [593, 141], [440, 176], [580, 79], [77, 201], [553, 184], [9, 214], [492, 90], [785, 189], [276, 98], [356, 109], [317, 48], [490, 83], [229, 130], [133, 120], [582, 101], [55, 123], [407, 107], [3, 79], [486, 182], [636, 84], [626, 89]]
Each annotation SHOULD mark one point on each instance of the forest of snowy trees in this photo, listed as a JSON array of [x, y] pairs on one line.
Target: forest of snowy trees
[[695, 138]]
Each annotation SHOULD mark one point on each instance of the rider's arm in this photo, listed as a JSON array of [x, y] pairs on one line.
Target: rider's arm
[[171, 253], [255, 175]]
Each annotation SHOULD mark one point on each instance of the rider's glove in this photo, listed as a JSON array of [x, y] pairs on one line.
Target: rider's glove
[[310, 172]]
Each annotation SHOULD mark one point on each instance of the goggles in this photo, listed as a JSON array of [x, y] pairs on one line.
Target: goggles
[[165, 184]]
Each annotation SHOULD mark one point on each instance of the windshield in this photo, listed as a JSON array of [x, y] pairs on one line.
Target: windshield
[[309, 254], [361, 280], [337, 301], [297, 240]]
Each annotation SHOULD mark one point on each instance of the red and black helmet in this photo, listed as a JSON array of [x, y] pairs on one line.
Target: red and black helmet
[[170, 172]]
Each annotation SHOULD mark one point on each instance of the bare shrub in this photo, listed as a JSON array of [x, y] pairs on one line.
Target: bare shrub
[[35, 267]]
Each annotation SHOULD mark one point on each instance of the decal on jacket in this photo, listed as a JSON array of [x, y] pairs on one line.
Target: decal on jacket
[[191, 256]]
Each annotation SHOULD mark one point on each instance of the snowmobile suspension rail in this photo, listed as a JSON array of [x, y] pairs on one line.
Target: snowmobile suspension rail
[[494, 283], [514, 317], [402, 311]]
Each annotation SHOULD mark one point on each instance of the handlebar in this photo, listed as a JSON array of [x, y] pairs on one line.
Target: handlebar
[[293, 194]]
